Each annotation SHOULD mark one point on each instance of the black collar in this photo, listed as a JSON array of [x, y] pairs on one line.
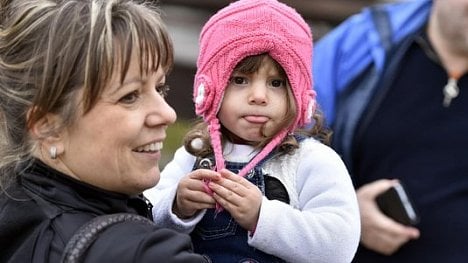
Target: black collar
[[71, 194]]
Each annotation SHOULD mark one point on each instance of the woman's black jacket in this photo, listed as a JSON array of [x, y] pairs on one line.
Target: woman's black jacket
[[40, 212]]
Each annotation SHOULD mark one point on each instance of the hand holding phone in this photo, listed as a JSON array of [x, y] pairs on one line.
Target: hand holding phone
[[396, 204]]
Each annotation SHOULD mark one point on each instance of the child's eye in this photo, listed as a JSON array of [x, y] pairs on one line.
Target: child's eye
[[163, 89], [130, 97], [278, 83], [238, 80]]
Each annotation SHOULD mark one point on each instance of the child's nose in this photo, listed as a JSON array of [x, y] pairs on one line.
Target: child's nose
[[258, 94]]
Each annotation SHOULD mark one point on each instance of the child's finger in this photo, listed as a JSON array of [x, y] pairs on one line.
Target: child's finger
[[231, 192], [226, 199], [235, 180], [205, 174]]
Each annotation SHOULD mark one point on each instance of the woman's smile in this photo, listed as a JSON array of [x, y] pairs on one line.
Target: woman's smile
[[150, 147], [151, 151]]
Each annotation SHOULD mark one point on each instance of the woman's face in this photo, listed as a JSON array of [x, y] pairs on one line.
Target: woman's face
[[117, 145]]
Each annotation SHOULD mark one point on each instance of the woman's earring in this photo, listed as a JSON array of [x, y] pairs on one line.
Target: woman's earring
[[53, 152]]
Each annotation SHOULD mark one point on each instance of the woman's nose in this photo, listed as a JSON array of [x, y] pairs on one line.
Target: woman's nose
[[162, 113]]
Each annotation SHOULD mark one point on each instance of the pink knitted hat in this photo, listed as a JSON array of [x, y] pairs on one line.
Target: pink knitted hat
[[246, 28]]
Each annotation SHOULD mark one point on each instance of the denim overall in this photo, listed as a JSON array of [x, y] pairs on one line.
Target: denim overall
[[218, 235]]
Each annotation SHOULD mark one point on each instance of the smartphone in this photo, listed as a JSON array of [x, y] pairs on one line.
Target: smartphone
[[396, 204]]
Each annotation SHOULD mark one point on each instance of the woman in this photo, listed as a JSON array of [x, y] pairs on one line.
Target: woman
[[82, 88]]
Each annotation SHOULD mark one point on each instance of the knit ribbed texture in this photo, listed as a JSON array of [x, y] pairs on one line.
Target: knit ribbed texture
[[246, 28]]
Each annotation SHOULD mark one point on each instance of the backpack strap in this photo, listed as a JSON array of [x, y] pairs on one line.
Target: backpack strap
[[83, 238]]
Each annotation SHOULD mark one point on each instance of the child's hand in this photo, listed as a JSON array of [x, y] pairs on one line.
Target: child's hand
[[191, 194], [239, 197]]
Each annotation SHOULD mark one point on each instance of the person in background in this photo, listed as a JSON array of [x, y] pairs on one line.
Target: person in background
[[83, 119], [393, 85], [276, 193]]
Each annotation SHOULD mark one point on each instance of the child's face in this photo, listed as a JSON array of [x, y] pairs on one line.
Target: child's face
[[254, 104]]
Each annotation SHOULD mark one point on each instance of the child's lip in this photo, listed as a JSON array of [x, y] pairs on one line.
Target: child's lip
[[256, 118]]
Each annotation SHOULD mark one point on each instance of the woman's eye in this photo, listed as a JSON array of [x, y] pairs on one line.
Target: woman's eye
[[278, 83], [238, 80], [163, 89], [130, 97]]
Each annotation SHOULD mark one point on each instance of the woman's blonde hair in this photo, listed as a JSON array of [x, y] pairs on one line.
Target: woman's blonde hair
[[51, 49]]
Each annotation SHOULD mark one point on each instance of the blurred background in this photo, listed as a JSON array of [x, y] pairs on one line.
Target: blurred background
[[185, 18]]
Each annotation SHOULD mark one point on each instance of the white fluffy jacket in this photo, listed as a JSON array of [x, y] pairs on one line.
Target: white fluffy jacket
[[321, 223]]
